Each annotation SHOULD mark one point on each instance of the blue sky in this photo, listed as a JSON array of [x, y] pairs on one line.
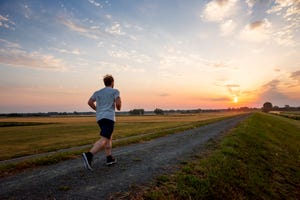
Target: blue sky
[[163, 54]]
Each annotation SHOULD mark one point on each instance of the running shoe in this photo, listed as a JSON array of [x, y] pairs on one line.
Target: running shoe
[[110, 160], [87, 160]]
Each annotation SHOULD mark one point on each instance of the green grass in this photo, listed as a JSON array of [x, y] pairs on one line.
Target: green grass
[[75, 131], [56, 133], [260, 159]]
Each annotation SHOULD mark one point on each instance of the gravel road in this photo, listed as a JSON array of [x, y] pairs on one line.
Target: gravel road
[[137, 164]]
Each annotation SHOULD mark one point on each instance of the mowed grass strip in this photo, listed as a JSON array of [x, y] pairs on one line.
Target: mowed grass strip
[[259, 159], [11, 124]]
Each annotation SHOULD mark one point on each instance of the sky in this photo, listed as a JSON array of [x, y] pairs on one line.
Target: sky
[[170, 54]]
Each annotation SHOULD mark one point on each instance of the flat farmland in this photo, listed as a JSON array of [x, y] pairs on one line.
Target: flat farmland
[[21, 136]]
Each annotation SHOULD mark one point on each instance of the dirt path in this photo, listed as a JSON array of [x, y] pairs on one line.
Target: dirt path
[[137, 164]]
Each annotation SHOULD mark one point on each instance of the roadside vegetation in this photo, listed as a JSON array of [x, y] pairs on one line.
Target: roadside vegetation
[[41, 135], [259, 159]]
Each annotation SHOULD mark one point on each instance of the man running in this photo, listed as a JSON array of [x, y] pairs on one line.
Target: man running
[[107, 99]]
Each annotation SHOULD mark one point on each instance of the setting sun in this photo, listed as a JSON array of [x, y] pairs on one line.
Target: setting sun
[[235, 99]]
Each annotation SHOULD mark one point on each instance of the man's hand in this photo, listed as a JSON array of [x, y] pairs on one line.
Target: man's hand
[[91, 103], [118, 103]]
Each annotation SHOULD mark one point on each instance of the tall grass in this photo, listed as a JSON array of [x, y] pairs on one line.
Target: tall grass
[[260, 159], [43, 134], [65, 132]]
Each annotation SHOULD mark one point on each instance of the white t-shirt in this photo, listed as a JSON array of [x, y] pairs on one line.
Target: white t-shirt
[[105, 103]]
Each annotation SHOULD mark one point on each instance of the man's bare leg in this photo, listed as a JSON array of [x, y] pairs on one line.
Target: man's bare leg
[[108, 147], [100, 144]]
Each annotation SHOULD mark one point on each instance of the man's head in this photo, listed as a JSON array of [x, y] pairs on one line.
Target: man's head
[[108, 80]]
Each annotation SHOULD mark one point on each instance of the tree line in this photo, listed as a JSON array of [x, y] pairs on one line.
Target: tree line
[[268, 106]]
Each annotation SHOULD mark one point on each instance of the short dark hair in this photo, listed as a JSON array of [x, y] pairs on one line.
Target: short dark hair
[[108, 80]]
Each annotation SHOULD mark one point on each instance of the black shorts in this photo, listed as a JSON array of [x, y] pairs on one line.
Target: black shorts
[[107, 127]]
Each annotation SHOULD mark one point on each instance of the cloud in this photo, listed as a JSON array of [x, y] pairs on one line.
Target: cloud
[[270, 92], [256, 24], [9, 44], [164, 94], [174, 62], [277, 69], [130, 55], [281, 91], [218, 10], [280, 5], [221, 99], [95, 3], [87, 32], [289, 11], [228, 64], [100, 5], [94, 31], [115, 67], [295, 76], [5, 22], [250, 3], [35, 60], [73, 52], [232, 85], [227, 28], [2, 18], [115, 29], [258, 31], [286, 35], [234, 89]]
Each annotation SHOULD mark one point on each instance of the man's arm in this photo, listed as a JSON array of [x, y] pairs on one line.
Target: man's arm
[[118, 103], [91, 103]]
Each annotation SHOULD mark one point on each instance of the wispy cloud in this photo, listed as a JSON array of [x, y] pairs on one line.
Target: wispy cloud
[[173, 61], [8, 44], [132, 55], [95, 3], [5, 22], [73, 52], [271, 92], [280, 5], [95, 31], [283, 90], [250, 4], [164, 94], [99, 4], [289, 11], [234, 90], [117, 68], [115, 29], [82, 30], [221, 99], [35, 60], [295, 76]]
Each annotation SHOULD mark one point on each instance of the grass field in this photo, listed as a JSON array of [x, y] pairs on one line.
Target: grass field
[[260, 159], [32, 135]]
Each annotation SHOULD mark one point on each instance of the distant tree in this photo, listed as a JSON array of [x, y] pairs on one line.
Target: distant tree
[[267, 107], [137, 112], [287, 107], [158, 111]]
